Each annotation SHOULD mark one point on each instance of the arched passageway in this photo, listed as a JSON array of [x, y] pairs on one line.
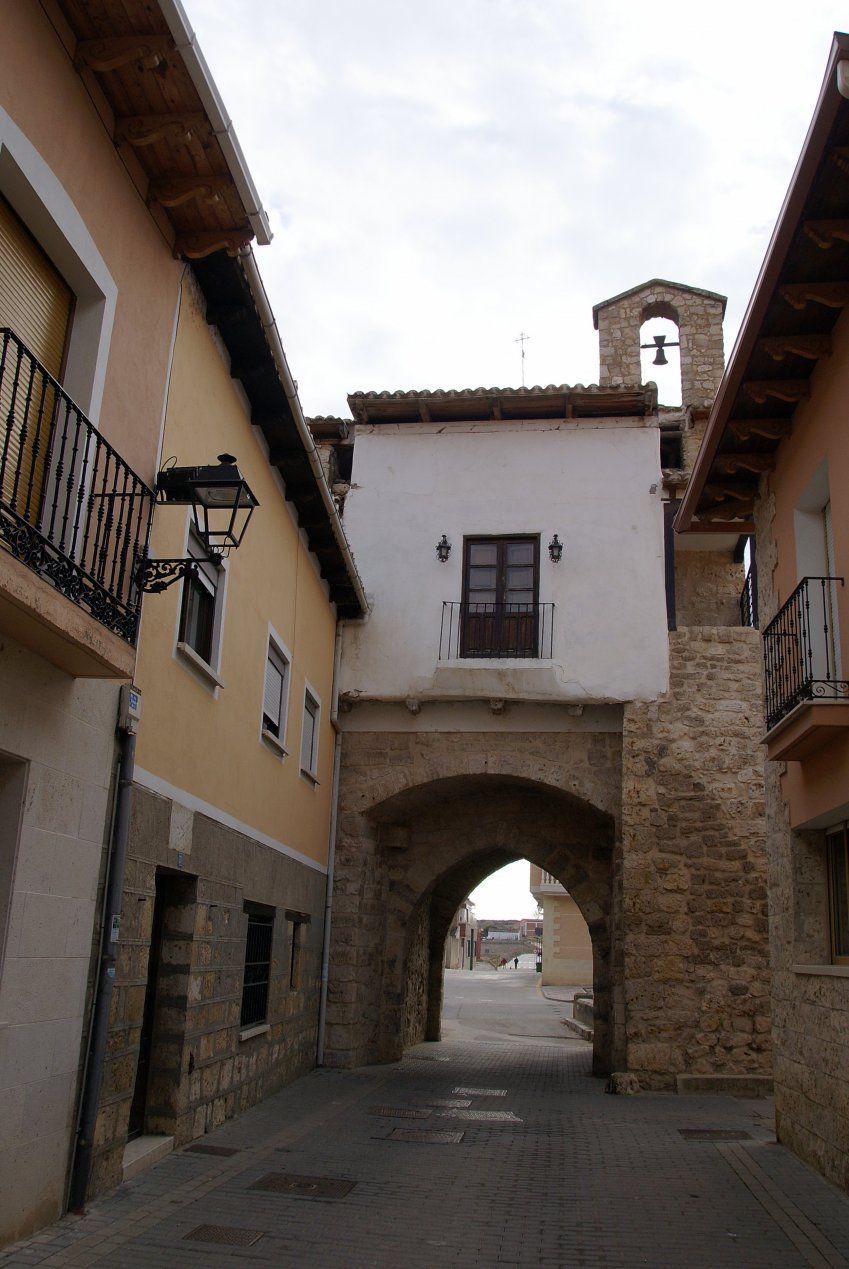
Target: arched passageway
[[412, 858]]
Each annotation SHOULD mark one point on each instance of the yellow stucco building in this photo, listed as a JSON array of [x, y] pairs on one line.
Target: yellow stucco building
[[218, 992]]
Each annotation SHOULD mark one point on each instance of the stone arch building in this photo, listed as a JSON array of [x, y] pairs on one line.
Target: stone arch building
[[594, 709]]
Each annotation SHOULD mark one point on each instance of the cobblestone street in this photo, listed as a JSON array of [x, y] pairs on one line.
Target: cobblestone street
[[533, 1165]]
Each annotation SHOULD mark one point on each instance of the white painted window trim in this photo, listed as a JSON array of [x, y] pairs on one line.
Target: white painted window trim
[[310, 773], [208, 674], [33, 190], [277, 743]]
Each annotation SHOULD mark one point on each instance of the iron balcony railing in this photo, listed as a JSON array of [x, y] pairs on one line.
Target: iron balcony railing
[[749, 601], [495, 630], [71, 509], [801, 649]]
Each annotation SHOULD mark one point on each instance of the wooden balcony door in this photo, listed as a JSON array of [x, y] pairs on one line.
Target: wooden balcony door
[[499, 615]]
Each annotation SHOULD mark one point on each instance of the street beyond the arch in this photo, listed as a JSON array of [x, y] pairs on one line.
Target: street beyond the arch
[[494, 1146]]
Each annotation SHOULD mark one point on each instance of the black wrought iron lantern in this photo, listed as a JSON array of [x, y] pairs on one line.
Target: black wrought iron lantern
[[555, 550], [443, 549], [222, 504]]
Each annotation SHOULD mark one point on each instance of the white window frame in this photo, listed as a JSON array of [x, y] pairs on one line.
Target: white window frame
[[311, 773], [277, 649], [38, 197], [208, 673]]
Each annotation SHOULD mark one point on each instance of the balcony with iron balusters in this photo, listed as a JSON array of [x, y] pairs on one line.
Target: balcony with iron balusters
[[74, 522], [807, 699]]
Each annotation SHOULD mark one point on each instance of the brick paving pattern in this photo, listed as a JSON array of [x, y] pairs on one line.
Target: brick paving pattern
[[576, 1179]]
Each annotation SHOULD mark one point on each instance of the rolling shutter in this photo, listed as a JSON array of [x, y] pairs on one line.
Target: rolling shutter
[[36, 303]]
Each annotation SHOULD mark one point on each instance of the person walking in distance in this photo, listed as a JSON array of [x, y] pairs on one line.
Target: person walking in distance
[[515, 962]]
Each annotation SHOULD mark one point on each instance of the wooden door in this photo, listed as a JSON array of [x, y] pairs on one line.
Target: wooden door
[[500, 587]]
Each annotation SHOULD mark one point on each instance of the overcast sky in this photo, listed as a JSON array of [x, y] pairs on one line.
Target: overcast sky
[[441, 176], [444, 175]]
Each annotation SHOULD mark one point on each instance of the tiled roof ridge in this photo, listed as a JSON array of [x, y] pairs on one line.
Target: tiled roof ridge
[[536, 390]]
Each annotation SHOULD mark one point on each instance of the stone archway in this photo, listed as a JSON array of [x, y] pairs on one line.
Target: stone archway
[[410, 848]]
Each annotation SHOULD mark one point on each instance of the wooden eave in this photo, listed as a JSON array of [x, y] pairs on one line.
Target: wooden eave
[[160, 125], [226, 289], [470, 405], [802, 289]]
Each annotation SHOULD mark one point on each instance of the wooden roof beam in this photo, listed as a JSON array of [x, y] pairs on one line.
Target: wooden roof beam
[[729, 512], [790, 390], [146, 51], [142, 130], [811, 347], [197, 244], [172, 191], [732, 493], [766, 429], [730, 464], [830, 294], [826, 232]]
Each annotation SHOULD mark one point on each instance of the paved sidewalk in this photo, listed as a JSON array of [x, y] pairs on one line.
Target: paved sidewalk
[[548, 1171]]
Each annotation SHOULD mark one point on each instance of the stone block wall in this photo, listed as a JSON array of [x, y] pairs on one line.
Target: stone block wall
[[414, 808], [201, 1071], [707, 588], [698, 315], [693, 978]]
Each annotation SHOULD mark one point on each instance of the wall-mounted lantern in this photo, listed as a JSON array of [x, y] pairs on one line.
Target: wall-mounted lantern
[[555, 550], [443, 549], [222, 505]]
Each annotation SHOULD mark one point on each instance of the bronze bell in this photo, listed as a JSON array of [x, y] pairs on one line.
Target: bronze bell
[[660, 358]]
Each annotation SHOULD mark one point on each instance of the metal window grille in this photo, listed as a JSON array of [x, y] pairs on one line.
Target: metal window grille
[[487, 631], [801, 650], [71, 509], [837, 843], [749, 600], [257, 969]]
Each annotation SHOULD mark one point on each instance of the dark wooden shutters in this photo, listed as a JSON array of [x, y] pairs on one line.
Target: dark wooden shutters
[[500, 589]]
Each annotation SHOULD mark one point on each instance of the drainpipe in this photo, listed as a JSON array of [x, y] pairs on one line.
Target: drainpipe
[[96, 1058], [331, 850]]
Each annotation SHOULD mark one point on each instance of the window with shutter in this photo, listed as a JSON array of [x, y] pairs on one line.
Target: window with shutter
[[274, 693], [36, 303], [309, 734]]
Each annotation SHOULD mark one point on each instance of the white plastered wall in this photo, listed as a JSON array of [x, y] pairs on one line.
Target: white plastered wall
[[594, 483]]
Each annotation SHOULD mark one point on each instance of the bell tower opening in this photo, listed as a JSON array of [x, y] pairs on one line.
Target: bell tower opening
[[660, 355]]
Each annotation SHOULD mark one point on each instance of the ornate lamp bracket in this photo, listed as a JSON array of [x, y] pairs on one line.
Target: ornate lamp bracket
[[154, 576]]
